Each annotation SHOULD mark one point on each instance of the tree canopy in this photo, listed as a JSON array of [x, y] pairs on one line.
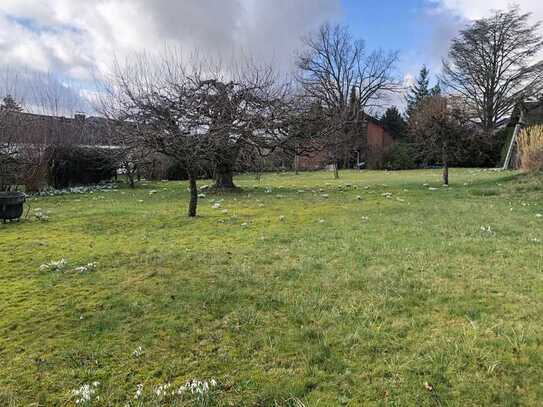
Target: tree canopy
[[492, 64]]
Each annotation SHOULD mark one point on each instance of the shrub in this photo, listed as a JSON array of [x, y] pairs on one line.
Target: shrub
[[71, 165], [478, 149], [399, 157], [530, 149]]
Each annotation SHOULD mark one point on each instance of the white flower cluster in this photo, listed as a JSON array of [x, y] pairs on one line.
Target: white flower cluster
[[78, 190], [85, 269], [162, 389], [41, 215], [137, 352], [86, 393], [198, 388], [62, 265], [139, 391], [59, 265], [487, 230]]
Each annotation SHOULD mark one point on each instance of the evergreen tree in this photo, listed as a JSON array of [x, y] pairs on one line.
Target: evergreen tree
[[10, 104], [436, 90], [394, 123], [419, 91]]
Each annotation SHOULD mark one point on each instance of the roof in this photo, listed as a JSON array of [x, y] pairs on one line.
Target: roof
[[533, 112], [44, 129]]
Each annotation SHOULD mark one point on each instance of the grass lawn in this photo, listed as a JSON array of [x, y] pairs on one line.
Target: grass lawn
[[300, 294]]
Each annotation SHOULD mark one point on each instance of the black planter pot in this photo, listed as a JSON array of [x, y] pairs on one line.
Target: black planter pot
[[11, 205]]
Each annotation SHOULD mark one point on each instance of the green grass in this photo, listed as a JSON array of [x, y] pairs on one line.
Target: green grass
[[399, 300]]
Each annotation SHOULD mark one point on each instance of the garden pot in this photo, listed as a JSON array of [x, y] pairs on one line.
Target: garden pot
[[11, 205]]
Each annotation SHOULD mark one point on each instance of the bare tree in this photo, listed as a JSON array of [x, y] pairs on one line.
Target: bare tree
[[249, 109], [197, 114], [437, 125], [338, 74], [491, 65]]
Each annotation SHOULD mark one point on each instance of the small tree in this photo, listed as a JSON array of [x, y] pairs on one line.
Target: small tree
[[437, 127], [420, 90], [394, 123]]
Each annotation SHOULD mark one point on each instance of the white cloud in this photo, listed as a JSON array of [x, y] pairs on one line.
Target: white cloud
[[75, 37], [474, 9], [76, 40]]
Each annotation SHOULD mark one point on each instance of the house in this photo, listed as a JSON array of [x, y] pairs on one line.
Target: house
[[44, 130], [368, 145]]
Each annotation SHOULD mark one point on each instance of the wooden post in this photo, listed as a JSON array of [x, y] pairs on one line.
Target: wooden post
[[516, 132]]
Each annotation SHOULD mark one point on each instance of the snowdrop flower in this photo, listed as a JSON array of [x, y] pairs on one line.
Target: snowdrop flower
[[85, 393], [487, 230], [216, 205], [539, 215], [432, 189], [139, 391], [325, 195], [201, 195], [140, 200], [137, 352], [54, 265], [282, 217], [162, 389], [152, 192], [244, 224], [41, 216], [359, 197], [88, 267], [365, 218], [321, 220], [225, 211]]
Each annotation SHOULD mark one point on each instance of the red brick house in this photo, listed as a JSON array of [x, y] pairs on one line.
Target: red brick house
[[367, 146]]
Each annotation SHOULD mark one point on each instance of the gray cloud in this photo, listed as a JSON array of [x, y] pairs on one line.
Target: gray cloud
[[75, 40], [76, 36]]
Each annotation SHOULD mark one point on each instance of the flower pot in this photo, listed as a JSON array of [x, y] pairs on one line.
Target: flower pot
[[11, 205]]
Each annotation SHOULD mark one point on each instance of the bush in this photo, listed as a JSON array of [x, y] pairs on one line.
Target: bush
[[400, 156], [530, 149], [70, 166], [478, 149]]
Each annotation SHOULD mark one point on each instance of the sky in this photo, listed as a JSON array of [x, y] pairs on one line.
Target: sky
[[66, 44]]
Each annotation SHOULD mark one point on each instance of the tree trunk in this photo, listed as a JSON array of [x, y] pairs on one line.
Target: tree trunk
[[193, 203], [336, 170], [224, 172], [445, 169], [224, 178], [131, 180]]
